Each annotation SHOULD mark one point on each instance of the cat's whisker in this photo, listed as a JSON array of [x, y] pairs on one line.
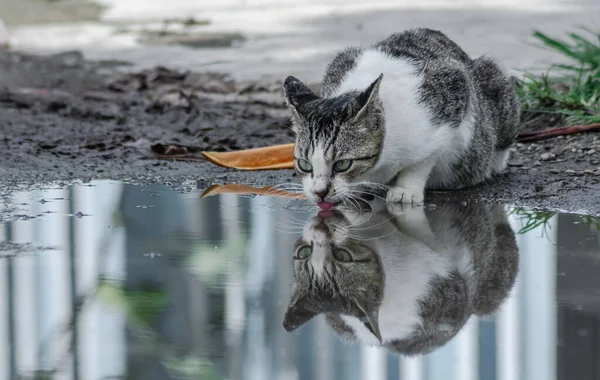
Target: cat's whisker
[[288, 185], [369, 183], [357, 196], [289, 228], [354, 202], [284, 231], [361, 238], [292, 216], [373, 226], [363, 192], [279, 190], [366, 192], [293, 222]]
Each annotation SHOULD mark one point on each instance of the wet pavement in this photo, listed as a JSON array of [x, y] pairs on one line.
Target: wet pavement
[[108, 280]]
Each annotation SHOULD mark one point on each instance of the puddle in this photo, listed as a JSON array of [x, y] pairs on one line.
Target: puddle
[[119, 281]]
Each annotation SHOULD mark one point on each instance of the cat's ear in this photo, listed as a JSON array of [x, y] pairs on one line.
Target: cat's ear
[[297, 94], [297, 314], [367, 97], [370, 319]]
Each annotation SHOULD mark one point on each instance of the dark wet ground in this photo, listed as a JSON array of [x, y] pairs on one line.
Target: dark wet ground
[[64, 118], [110, 280]]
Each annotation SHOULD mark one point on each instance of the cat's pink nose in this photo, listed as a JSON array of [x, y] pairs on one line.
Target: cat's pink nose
[[325, 205]]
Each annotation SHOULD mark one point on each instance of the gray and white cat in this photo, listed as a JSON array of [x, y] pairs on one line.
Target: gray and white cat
[[410, 112], [407, 282]]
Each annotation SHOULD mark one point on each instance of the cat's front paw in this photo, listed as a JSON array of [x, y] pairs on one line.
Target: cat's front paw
[[405, 196]]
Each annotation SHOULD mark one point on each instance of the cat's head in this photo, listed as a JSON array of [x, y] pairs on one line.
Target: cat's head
[[334, 274], [338, 138]]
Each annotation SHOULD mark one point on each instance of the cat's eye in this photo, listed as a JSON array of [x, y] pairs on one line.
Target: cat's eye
[[342, 255], [304, 252], [305, 166], [342, 165]]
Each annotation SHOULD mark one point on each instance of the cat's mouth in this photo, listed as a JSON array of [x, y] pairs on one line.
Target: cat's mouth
[[325, 214], [325, 205]]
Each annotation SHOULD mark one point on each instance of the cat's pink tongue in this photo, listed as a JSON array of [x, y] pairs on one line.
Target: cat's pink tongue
[[324, 214], [325, 205]]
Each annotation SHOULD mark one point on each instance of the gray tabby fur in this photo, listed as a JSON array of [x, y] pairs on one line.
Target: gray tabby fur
[[456, 92], [415, 278]]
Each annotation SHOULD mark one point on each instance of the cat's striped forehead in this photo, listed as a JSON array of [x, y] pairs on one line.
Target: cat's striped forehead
[[334, 133], [323, 122]]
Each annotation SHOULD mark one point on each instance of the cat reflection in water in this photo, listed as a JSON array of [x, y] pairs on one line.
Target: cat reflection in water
[[407, 280]]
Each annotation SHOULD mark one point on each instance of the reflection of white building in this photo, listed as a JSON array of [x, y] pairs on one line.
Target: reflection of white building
[[246, 293]]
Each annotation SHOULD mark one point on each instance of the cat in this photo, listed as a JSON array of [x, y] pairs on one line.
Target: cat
[[410, 112], [406, 281]]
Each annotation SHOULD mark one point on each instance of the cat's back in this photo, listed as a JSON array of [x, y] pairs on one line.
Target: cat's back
[[421, 45], [404, 53]]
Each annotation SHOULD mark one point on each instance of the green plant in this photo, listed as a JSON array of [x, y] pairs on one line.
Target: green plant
[[570, 91]]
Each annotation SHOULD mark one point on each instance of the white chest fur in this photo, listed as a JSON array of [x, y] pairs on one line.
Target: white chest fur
[[410, 137]]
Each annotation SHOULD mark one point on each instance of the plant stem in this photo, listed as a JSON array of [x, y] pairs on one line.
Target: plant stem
[[553, 132]]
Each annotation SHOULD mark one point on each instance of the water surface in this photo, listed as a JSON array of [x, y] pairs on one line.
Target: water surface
[[114, 281]]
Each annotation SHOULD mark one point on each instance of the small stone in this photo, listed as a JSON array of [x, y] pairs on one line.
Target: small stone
[[589, 172], [100, 96], [202, 183], [554, 171], [570, 171], [573, 150], [590, 152], [547, 156], [173, 99], [217, 86], [463, 203]]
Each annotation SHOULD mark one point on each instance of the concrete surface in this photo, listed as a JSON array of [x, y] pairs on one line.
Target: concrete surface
[[300, 36]]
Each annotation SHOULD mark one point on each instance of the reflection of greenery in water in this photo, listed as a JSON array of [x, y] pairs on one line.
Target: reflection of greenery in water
[[532, 219], [141, 306], [193, 368], [214, 261], [43, 375], [592, 223]]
